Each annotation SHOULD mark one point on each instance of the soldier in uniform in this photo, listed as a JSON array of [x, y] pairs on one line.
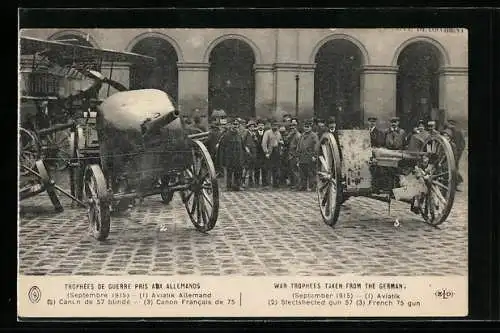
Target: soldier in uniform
[[395, 136], [260, 160], [251, 141], [284, 170], [292, 141], [376, 135], [197, 124], [417, 139], [307, 150], [232, 156], [322, 129], [249, 153]]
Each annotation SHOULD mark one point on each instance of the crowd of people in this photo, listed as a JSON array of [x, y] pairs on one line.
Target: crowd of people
[[269, 153]]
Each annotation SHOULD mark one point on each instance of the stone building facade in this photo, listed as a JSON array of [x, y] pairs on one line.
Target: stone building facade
[[348, 73]]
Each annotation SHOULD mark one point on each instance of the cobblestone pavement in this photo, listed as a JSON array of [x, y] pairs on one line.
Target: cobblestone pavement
[[258, 233]]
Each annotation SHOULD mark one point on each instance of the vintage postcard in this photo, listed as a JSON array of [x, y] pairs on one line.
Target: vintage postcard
[[243, 173]]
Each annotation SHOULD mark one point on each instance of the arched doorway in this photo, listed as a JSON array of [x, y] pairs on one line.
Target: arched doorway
[[231, 84], [337, 82], [418, 83], [163, 75]]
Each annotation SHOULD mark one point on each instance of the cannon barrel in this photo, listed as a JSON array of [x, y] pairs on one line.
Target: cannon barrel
[[155, 124], [199, 136]]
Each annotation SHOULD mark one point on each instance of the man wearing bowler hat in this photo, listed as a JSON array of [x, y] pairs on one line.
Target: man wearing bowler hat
[[395, 136]]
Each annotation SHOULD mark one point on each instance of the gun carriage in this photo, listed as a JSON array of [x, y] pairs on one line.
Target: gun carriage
[[349, 167]]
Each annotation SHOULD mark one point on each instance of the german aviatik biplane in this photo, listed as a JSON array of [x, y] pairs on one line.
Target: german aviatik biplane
[[127, 146]]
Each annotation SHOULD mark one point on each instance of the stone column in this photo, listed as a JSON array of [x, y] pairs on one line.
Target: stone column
[[193, 88], [264, 90], [286, 89], [378, 92], [306, 90], [453, 94], [117, 71]]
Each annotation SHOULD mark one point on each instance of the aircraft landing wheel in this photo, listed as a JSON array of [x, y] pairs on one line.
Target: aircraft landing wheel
[[98, 201], [48, 184]]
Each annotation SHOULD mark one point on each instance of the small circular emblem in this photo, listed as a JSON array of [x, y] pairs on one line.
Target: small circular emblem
[[34, 294]]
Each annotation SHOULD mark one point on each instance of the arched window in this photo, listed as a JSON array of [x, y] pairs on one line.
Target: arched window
[[418, 83], [337, 82], [231, 78]]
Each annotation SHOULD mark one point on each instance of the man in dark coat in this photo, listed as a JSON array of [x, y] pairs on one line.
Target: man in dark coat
[[321, 127], [395, 136], [376, 135], [417, 139], [217, 130], [260, 160], [307, 151], [232, 155], [292, 141], [197, 124], [250, 142]]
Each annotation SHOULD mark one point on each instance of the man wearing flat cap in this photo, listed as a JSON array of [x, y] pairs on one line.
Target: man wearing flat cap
[[376, 135], [395, 136]]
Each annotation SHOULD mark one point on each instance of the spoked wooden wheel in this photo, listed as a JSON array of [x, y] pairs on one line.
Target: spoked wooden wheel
[[329, 179], [98, 201], [59, 151], [441, 180], [29, 150], [48, 184], [202, 197]]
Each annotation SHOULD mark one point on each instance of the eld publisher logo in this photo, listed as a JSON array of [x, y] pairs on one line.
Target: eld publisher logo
[[34, 294], [444, 293]]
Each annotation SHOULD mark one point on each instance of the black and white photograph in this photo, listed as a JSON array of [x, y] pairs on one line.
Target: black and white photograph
[[243, 152]]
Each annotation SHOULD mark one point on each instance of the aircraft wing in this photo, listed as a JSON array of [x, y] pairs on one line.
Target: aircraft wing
[[67, 53]]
